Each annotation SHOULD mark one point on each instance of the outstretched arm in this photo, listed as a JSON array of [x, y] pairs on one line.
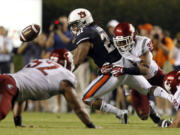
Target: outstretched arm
[[141, 69], [73, 100], [81, 52], [176, 121], [17, 112]]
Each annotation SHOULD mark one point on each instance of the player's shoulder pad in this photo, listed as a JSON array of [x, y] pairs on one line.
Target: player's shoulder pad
[[146, 43], [83, 35], [142, 38]]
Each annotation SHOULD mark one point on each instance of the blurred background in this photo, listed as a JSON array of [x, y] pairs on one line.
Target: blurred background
[[157, 19]]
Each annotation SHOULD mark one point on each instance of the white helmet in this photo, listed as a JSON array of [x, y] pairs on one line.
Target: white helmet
[[81, 17]]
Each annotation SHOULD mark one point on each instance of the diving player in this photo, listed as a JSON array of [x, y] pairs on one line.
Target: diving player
[[41, 79]]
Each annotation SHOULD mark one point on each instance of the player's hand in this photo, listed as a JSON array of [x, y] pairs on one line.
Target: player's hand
[[106, 68], [117, 70]]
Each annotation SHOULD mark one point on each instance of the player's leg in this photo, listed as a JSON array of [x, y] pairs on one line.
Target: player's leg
[[18, 109], [100, 86], [7, 92], [157, 120], [157, 80], [144, 87], [74, 101], [140, 84], [144, 110], [141, 104]]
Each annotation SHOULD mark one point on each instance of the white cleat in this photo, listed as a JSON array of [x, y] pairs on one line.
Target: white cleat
[[123, 116]]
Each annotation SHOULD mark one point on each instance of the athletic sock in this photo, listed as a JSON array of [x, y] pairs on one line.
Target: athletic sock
[[154, 116], [109, 108]]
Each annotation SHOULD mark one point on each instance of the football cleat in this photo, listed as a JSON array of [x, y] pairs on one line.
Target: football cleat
[[123, 116], [164, 123]]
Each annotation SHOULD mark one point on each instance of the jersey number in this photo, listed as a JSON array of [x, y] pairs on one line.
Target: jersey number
[[104, 37], [42, 69]]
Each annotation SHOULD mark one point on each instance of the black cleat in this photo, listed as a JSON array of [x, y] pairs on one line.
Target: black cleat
[[164, 123]]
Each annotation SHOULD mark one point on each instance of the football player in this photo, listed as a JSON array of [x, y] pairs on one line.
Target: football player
[[91, 40], [41, 79], [137, 60], [172, 85]]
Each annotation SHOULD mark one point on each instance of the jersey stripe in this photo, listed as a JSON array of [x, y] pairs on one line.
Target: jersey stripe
[[82, 40], [96, 86], [89, 89]]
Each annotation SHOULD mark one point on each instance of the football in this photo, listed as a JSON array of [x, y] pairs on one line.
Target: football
[[29, 33]]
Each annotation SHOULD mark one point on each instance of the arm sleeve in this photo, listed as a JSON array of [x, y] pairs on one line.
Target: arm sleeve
[[132, 71]]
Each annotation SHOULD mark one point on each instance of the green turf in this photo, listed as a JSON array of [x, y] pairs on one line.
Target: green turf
[[69, 124]]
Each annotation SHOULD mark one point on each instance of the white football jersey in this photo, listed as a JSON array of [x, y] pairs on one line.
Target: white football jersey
[[40, 79], [132, 58], [176, 98]]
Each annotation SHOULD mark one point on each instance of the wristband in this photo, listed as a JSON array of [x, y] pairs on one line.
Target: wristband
[[132, 71]]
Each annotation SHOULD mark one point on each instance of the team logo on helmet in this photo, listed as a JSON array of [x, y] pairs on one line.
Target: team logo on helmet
[[78, 19], [82, 14]]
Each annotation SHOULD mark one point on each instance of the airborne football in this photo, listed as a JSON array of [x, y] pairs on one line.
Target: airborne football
[[29, 33]]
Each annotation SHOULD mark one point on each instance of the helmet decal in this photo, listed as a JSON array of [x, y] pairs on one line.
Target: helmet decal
[[78, 19], [82, 14]]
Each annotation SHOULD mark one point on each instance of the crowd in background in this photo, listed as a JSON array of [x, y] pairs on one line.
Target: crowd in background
[[166, 52]]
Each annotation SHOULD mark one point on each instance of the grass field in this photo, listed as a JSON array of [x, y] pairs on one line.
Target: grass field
[[69, 124]]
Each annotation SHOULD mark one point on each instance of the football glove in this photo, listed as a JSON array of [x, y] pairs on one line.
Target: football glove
[[117, 70], [106, 68]]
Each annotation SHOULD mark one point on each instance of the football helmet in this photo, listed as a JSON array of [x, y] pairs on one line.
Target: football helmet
[[63, 57], [124, 36], [78, 19], [171, 81]]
